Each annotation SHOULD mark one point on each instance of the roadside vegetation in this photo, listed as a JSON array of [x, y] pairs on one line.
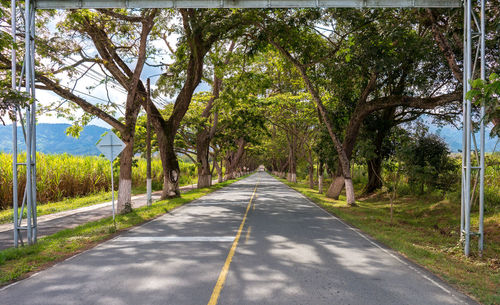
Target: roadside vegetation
[[6, 216], [64, 178], [17, 263]]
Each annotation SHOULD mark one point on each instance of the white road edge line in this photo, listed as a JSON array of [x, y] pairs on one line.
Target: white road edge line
[[175, 239], [378, 246]]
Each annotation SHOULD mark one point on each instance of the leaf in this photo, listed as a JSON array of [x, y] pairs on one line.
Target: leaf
[[74, 131]]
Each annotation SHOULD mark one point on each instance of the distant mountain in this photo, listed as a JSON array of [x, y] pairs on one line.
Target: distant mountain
[[453, 137], [52, 139]]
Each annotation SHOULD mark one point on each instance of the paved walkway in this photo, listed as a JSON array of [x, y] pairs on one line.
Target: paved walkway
[[53, 223], [254, 242]]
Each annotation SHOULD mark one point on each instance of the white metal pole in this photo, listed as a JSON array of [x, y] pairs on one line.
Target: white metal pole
[[149, 199], [27, 63], [14, 125], [482, 135], [33, 123], [464, 132], [112, 181], [468, 127], [112, 189]]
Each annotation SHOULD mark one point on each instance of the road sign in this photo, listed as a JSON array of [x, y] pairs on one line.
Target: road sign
[[110, 146]]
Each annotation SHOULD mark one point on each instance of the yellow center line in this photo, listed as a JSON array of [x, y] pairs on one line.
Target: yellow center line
[[225, 269]]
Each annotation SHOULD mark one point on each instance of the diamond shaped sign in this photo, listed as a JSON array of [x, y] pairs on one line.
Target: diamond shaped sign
[[110, 145]]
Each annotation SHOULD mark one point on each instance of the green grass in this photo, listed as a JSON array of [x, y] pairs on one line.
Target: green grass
[[16, 263], [63, 205], [426, 230], [66, 204]]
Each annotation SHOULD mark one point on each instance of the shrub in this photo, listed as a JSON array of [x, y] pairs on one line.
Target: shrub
[[427, 163]]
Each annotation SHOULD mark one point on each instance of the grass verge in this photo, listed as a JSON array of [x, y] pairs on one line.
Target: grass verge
[[425, 231], [63, 205], [18, 263], [69, 204]]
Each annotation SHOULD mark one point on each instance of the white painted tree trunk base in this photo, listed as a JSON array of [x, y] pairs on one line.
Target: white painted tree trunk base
[[349, 190], [124, 204], [149, 190], [204, 181]]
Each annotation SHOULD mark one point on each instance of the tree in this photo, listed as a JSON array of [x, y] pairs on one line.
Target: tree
[[206, 132], [201, 30], [487, 93], [376, 129], [78, 31], [290, 111], [445, 26], [294, 116], [358, 68], [9, 101], [427, 162], [241, 118]]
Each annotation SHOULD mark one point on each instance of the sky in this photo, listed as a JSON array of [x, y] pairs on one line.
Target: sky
[[99, 94]]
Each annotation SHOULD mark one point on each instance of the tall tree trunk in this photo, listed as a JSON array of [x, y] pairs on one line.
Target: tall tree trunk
[[320, 177], [283, 168], [220, 172], [202, 154], [311, 169], [206, 134], [133, 106], [344, 160], [336, 187], [351, 135], [203, 139], [311, 177], [234, 158], [124, 202], [375, 164], [292, 160], [218, 169], [374, 168], [170, 127], [167, 129], [171, 170], [128, 78]]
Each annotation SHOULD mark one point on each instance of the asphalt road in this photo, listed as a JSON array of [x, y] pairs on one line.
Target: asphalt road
[[53, 223], [226, 248]]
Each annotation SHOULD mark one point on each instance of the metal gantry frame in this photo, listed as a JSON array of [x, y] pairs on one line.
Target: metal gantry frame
[[474, 55], [23, 24]]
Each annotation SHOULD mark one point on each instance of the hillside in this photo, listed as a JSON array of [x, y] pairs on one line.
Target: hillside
[[453, 137], [52, 139]]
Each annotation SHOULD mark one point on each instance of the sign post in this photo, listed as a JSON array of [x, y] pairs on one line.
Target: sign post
[[111, 146]]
